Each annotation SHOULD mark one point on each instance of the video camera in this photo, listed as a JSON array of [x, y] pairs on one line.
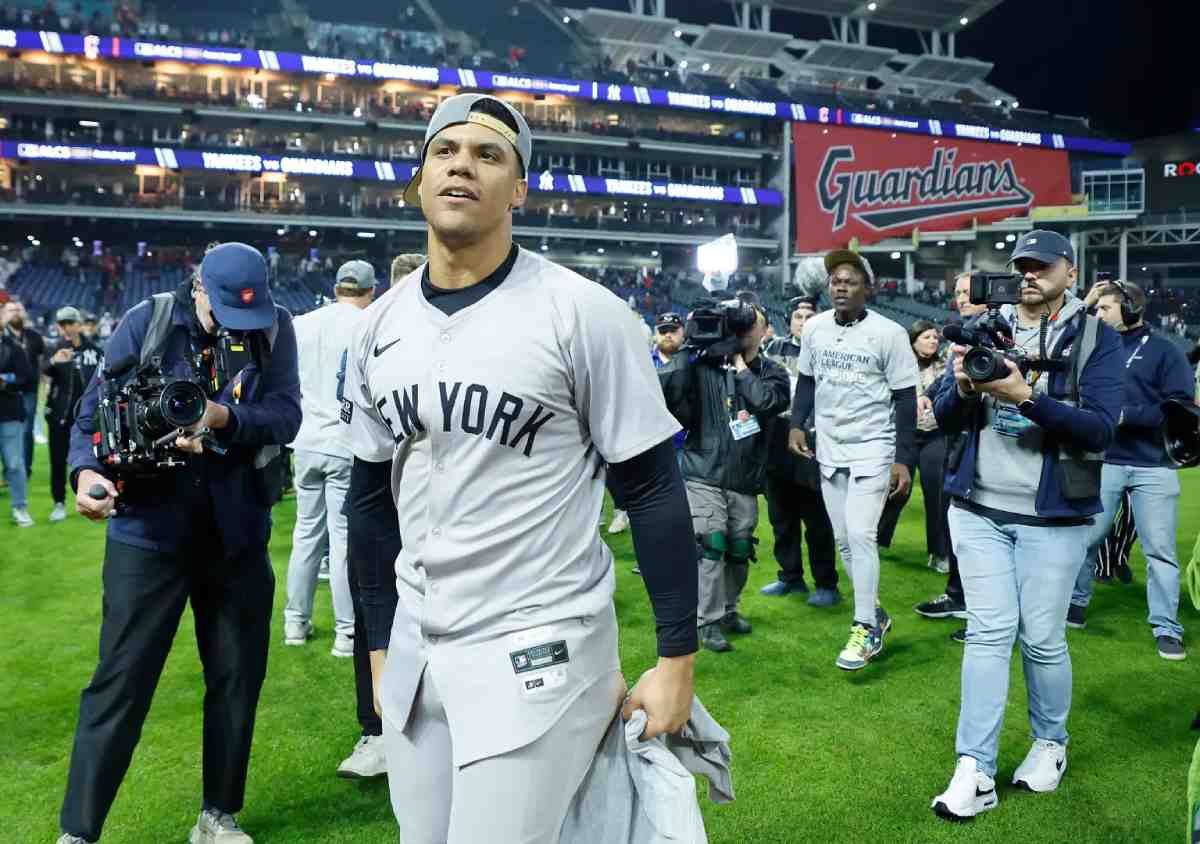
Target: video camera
[[991, 338], [711, 323], [138, 421], [1181, 433]]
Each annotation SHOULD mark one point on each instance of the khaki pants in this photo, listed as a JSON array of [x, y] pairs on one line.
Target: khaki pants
[[736, 515]]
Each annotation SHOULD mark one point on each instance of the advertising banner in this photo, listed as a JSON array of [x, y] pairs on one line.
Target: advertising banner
[[870, 185]]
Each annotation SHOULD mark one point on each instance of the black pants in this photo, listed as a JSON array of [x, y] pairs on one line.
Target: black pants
[[144, 596], [364, 694], [60, 443], [931, 464], [789, 505]]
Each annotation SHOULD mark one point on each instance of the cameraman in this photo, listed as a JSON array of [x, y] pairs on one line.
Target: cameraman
[[1136, 464], [196, 533], [1025, 489], [725, 397], [70, 366]]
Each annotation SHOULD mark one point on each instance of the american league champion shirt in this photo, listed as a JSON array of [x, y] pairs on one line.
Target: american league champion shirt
[[498, 421]]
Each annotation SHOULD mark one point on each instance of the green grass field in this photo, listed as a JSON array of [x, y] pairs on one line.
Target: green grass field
[[819, 755]]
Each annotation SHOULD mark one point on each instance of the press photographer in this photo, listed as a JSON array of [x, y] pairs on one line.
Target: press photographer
[[724, 394], [1024, 472], [199, 390]]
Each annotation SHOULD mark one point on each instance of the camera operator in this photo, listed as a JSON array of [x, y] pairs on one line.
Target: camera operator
[[1025, 481], [858, 373], [195, 533], [794, 487], [70, 366], [15, 374], [1136, 463], [725, 396]]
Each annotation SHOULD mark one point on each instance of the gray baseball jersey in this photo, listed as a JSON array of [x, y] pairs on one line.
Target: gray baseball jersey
[[321, 338], [498, 421], [856, 367]]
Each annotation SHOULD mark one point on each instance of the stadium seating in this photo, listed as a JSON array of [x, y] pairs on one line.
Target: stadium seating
[[46, 287]]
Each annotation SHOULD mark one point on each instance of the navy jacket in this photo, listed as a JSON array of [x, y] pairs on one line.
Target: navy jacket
[[1155, 370], [14, 365], [184, 504], [1089, 427]]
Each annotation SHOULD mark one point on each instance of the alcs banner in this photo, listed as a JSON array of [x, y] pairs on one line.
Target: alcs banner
[[868, 184]]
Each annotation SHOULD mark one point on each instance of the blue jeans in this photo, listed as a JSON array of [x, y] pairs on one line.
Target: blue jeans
[[1017, 582], [1154, 494], [12, 453], [30, 402]]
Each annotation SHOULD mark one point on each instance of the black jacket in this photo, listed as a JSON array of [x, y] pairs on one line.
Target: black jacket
[[781, 463], [69, 380], [35, 347], [13, 363], [696, 392]]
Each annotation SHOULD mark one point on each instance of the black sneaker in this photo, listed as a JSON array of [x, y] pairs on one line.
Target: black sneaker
[[712, 639], [1171, 648], [943, 606], [1076, 617], [735, 622], [959, 636]]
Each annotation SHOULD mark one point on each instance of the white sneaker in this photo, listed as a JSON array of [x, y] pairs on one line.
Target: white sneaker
[[939, 564], [343, 646], [1043, 767], [296, 632], [620, 522], [71, 839], [366, 762], [21, 517], [323, 569], [970, 792], [58, 513], [215, 827]]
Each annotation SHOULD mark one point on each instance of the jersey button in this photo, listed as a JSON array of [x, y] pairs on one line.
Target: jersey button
[[436, 531], [441, 467], [445, 338]]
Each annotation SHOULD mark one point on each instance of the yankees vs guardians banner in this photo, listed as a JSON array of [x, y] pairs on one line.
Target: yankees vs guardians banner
[[871, 185]]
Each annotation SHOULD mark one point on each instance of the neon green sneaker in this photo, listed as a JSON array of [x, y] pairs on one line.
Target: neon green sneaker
[[863, 644]]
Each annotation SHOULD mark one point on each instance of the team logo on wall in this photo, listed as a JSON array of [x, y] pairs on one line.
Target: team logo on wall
[[867, 184]]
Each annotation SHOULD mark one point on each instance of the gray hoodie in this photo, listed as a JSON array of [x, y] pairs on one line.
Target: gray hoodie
[[1009, 467]]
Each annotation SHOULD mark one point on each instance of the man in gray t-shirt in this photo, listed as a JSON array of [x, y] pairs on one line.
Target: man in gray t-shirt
[[859, 373]]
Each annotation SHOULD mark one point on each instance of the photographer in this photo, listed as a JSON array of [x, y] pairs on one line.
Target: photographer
[[1136, 464], [725, 395], [794, 488], [70, 366], [15, 374], [1025, 481], [193, 533]]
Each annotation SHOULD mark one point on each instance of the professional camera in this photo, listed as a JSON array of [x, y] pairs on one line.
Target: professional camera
[[713, 322], [137, 422], [1181, 433], [991, 337]]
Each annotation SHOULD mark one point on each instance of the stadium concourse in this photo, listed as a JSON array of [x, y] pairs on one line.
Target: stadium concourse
[[135, 136]]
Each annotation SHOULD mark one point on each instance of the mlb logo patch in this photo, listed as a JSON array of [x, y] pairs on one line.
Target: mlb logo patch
[[347, 411]]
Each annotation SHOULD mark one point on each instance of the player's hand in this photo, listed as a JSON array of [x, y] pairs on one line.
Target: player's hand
[[798, 443], [63, 356], [901, 481], [89, 507], [664, 693], [1011, 388], [924, 406]]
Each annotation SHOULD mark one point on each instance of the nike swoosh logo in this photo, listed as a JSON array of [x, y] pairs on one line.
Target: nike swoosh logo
[[380, 350]]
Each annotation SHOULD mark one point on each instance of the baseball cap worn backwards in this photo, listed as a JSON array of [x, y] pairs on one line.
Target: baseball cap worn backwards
[[67, 314], [1045, 246], [458, 109], [356, 275], [234, 276]]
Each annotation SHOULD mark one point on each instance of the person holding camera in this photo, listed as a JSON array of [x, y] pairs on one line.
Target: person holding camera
[[1136, 464], [724, 394], [859, 375], [1024, 475], [70, 366], [15, 375], [794, 488], [193, 532]]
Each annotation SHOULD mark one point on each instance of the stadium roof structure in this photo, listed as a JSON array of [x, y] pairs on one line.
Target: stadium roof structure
[[625, 35], [929, 15], [731, 50]]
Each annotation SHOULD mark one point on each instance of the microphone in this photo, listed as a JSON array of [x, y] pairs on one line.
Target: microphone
[[961, 336]]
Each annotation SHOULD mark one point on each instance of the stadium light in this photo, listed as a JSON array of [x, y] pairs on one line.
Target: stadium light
[[679, 33], [999, 244], [705, 67], [683, 64], [895, 256], [872, 7], [1016, 104], [653, 253], [941, 243], [1010, 237], [998, 103], [962, 21], [280, 232], [566, 18], [600, 250], [312, 232], [366, 235], [1144, 269], [544, 246], [89, 124]]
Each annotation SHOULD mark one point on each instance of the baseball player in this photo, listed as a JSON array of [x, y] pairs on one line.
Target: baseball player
[[498, 386], [859, 372]]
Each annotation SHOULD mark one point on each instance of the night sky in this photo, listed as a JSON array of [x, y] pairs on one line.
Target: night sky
[[1129, 66]]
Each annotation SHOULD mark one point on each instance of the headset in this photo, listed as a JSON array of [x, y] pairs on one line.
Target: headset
[[1130, 311]]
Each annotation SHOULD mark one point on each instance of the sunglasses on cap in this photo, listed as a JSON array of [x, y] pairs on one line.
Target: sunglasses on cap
[[667, 329], [797, 301]]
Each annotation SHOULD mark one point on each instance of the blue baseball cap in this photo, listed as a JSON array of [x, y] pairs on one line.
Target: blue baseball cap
[[1043, 245], [234, 276]]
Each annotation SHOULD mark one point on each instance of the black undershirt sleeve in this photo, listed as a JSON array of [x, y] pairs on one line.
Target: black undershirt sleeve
[[374, 543], [906, 425], [651, 489], [804, 400]]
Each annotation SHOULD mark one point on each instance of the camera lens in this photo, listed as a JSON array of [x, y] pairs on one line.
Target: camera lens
[[983, 365], [181, 404]]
